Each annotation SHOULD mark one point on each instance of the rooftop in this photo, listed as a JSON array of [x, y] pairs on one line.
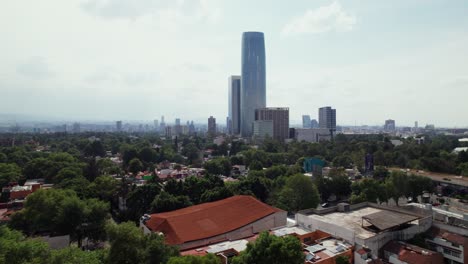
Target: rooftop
[[326, 249], [384, 220], [381, 219], [449, 236], [209, 219], [412, 254], [290, 230]]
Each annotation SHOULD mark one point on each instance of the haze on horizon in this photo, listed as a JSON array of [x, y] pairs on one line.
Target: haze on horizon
[[138, 60]]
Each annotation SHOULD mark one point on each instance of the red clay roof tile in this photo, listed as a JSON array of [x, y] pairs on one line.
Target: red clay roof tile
[[208, 219]]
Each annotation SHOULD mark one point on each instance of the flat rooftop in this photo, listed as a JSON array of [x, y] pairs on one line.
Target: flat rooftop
[[283, 231], [328, 248], [353, 220]]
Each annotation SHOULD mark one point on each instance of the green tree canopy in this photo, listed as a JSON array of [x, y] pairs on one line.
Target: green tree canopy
[[270, 249], [298, 193], [9, 172], [208, 259]]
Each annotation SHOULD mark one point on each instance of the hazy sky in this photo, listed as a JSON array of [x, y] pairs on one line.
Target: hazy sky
[[140, 59]]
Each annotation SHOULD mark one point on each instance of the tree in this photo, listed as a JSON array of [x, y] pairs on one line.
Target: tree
[[255, 165], [74, 255], [107, 167], [68, 174], [139, 200], [463, 168], [208, 259], [103, 187], [272, 250], [165, 202], [9, 172], [130, 245], [147, 154], [135, 166], [94, 149], [397, 185], [16, 249], [342, 259], [215, 194], [298, 193], [381, 172], [126, 243], [61, 211]]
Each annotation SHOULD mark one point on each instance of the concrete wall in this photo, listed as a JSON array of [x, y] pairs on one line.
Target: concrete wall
[[379, 240]]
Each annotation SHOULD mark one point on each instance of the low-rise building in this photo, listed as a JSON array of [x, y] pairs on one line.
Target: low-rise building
[[365, 225], [399, 252], [454, 247], [232, 218], [312, 134]]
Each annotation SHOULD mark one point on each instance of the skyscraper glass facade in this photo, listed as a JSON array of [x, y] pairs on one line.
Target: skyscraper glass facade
[[253, 82], [233, 121]]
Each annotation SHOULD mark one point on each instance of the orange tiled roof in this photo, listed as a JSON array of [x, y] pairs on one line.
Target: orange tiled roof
[[449, 236], [208, 219]]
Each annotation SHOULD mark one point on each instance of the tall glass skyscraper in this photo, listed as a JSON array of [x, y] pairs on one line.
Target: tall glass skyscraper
[[233, 120], [253, 83]]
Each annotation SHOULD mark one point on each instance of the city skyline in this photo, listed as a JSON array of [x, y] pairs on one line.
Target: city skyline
[[369, 60]]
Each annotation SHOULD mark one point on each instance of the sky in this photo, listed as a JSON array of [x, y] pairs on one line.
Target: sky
[[137, 60]]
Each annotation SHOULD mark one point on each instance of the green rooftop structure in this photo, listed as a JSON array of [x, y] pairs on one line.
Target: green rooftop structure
[[314, 165]]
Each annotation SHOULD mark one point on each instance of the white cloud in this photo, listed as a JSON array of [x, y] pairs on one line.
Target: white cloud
[[35, 68], [323, 19], [193, 10]]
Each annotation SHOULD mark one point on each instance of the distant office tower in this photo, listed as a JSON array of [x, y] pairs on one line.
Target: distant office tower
[[162, 125], [212, 125], [191, 128], [76, 128], [314, 123], [118, 126], [253, 83], [415, 124], [280, 118], [156, 124], [327, 118], [306, 123], [177, 127], [168, 131], [234, 111], [262, 129], [389, 125]]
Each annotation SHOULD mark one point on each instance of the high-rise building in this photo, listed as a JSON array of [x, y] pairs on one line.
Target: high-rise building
[[162, 125], [280, 118], [118, 126], [156, 124], [234, 111], [314, 123], [177, 127], [416, 124], [212, 125], [76, 128], [191, 128], [306, 123], [327, 118], [389, 125], [168, 131], [262, 129], [253, 80]]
